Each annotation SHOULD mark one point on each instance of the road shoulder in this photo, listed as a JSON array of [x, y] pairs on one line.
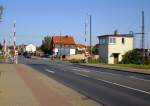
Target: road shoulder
[[74, 98]]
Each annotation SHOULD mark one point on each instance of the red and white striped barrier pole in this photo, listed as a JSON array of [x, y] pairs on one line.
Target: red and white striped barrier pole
[[14, 41]]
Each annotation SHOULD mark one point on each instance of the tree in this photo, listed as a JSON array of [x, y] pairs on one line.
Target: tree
[[1, 46], [132, 57], [46, 46], [95, 50]]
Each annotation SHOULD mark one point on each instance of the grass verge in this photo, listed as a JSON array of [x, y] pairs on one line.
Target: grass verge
[[137, 66]]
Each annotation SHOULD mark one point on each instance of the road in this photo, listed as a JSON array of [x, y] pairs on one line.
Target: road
[[106, 86]]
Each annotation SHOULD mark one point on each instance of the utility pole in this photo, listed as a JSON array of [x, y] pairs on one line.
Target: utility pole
[[60, 47], [143, 39], [90, 34], [1, 12], [85, 32], [142, 42]]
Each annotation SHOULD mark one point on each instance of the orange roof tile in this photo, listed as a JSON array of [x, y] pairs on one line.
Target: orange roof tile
[[80, 46], [66, 40]]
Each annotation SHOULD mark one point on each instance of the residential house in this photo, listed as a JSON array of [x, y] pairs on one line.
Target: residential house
[[63, 45], [80, 48], [114, 46], [30, 48]]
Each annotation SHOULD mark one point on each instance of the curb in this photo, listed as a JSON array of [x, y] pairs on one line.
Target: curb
[[115, 69]]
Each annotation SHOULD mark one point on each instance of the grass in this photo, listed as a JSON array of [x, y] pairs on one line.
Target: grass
[[135, 66], [1, 57]]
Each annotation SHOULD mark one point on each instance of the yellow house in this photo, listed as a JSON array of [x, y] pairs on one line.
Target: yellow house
[[113, 47]]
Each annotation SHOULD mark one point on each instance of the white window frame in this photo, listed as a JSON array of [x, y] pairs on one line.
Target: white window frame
[[112, 40]]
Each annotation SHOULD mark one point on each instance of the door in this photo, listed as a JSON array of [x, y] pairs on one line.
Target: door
[[116, 59]]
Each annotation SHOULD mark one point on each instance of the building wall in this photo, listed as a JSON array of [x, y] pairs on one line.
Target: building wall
[[103, 53], [120, 48], [30, 48]]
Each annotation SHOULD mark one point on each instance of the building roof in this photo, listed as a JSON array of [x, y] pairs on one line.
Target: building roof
[[120, 35], [65, 40], [116, 34], [80, 46]]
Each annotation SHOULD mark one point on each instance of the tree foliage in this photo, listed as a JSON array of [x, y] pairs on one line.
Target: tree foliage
[[1, 46], [132, 57], [46, 46]]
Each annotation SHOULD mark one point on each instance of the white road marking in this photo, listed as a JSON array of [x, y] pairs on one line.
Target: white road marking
[[81, 70], [139, 90], [139, 78], [82, 75], [50, 71]]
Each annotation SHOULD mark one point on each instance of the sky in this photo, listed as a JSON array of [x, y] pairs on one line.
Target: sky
[[38, 18]]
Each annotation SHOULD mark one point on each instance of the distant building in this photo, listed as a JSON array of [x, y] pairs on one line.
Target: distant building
[[80, 48], [63, 45], [30, 48], [113, 47]]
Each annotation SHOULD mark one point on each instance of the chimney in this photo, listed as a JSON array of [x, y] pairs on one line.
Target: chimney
[[116, 33], [66, 36]]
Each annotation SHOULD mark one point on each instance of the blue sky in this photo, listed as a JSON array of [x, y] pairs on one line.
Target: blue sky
[[38, 18]]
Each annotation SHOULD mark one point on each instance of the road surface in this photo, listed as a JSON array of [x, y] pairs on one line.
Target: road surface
[[106, 86]]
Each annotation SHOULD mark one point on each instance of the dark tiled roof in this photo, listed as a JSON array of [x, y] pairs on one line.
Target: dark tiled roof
[[118, 35]]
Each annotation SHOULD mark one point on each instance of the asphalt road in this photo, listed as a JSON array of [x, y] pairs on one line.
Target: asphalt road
[[106, 86]]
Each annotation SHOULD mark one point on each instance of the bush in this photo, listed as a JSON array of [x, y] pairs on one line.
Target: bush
[[94, 61], [132, 57], [77, 61]]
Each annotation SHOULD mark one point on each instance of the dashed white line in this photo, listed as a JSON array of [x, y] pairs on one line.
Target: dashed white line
[[82, 75], [81, 70], [139, 90], [50, 71]]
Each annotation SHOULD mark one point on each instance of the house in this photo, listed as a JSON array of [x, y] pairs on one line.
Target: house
[[30, 48], [80, 48], [63, 45], [113, 47]]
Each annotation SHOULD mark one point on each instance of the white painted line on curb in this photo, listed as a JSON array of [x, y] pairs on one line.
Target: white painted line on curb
[[117, 84], [50, 71]]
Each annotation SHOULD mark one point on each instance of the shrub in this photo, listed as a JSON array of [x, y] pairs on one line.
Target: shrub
[[132, 57], [94, 61], [77, 61]]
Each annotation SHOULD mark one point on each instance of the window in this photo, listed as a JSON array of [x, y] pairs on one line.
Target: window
[[123, 41], [112, 40], [103, 41]]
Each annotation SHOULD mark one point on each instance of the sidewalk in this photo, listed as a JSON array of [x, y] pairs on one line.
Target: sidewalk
[[21, 85], [126, 69]]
